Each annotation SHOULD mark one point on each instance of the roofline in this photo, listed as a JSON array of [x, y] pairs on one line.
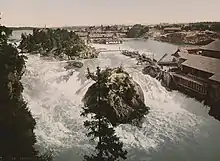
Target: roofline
[[208, 49], [195, 68]]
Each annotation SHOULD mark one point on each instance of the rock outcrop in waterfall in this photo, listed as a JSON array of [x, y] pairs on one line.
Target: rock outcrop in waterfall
[[151, 68], [122, 98]]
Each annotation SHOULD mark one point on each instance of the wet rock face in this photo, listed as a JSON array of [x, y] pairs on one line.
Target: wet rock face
[[143, 60], [214, 110], [131, 54], [166, 79], [153, 71], [122, 99], [73, 64]]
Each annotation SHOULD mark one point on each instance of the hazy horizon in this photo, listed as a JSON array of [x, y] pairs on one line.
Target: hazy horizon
[[57, 13]]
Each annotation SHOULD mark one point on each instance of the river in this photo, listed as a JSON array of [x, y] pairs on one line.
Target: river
[[178, 128]]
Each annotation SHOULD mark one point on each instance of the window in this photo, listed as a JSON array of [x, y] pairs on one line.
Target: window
[[203, 90], [199, 88], [193, 86], [193, 71]]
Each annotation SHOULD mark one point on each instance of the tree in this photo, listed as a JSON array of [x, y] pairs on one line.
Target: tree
[[122, 97], [58, 41], [17, 139], [5, 32], [137, 30], [109, 148]]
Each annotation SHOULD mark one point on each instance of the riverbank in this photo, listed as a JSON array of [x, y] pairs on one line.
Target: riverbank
[[183, 37], [59, 44]]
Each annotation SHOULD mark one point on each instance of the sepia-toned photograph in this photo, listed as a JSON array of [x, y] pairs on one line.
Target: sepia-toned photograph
[[109, 80]]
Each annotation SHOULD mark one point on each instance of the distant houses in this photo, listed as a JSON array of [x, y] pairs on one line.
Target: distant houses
[[103, 34]]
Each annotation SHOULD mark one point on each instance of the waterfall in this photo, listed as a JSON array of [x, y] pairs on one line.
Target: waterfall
[[177, 127]]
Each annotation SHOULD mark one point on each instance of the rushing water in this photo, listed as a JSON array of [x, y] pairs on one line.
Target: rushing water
[[177, 128]]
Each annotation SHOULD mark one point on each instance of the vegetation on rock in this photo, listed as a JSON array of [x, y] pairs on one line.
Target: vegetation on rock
[[121, 98], [73, 64], [202, 26], [191, 37], [109, 148], [59, 43], [137, 31], [198, 33], [196, 26], [17, 139]]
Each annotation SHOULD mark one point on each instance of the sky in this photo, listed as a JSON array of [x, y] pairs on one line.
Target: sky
[[59, 13]]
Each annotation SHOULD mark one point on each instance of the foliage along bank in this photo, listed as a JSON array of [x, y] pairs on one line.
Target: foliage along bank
[[57, 43], [137, 31], [17, 139]]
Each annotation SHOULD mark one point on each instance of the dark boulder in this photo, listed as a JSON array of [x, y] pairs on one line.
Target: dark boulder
[[122, 98], [131, 54], [153, 71], [73, 64]]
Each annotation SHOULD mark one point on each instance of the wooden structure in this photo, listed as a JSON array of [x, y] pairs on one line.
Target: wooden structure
[[191, 83], [168, 63], [105, 51], [211, 50], [107, 41], [200, 74], [103, 36]]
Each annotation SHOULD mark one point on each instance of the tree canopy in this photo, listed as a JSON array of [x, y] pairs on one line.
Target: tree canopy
[[137, 31], [4, 33], [113, 99], [108, 148], [121, 98], [17, 139], [59, 41]]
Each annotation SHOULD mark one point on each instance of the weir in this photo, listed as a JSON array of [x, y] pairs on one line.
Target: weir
[[104, 51]]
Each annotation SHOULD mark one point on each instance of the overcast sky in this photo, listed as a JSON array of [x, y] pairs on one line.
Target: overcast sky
[[94, 12]]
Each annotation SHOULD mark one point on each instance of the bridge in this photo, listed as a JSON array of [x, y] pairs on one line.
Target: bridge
[[116, 50]]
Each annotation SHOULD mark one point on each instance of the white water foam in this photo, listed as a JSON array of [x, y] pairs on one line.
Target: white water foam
[[177, 128]]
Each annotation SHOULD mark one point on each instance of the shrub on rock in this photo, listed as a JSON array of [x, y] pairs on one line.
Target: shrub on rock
[[73, 64], [122, 99], [58, 43]]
